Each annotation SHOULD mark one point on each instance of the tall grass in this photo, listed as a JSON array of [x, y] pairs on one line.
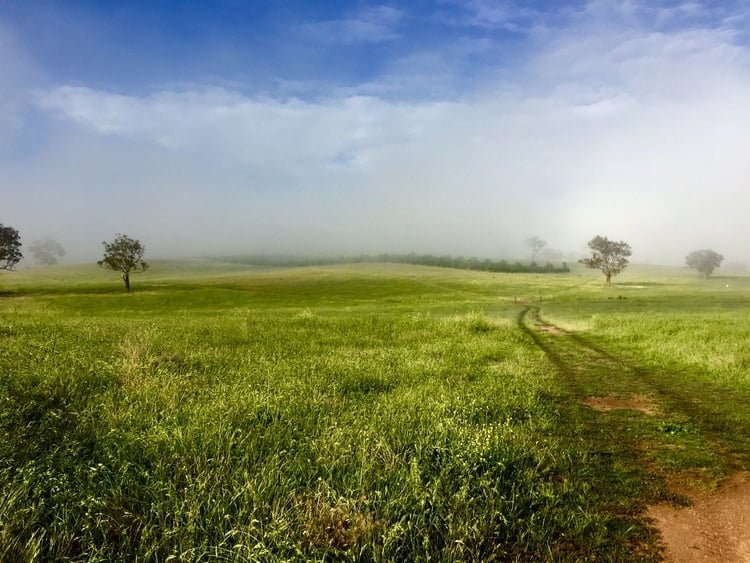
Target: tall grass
[[361, 413]]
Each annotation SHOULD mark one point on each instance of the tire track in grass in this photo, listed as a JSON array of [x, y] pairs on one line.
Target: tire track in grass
[[710, 407], [604, 447], [591, 377], [585, 369], [716, 444], [587, 366]]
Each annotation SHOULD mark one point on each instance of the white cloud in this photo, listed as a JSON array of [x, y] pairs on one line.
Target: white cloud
[[507, 15], [612, 129], [369, 25]]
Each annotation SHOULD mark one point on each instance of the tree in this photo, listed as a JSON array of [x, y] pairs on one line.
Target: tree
[[124, 255], [10, 247], [705, 261], [47, 251], [536, 244], [608, 256]]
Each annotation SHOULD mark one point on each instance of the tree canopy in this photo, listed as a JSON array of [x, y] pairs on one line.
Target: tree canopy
[[47, 251], [609, 256], [536, 244], [10, 247], [124, 255], [705, 261]]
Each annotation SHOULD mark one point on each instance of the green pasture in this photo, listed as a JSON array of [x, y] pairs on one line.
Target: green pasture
[[366, 412]]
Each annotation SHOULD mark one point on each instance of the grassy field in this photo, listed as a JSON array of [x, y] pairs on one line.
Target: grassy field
[[369, 412]]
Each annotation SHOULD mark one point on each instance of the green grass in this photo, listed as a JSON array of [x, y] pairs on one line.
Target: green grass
[[368, 412]]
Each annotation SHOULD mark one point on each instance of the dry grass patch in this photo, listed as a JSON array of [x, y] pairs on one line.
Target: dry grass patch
[[641, 403], [134, 360], [335, 523], [550, 329]]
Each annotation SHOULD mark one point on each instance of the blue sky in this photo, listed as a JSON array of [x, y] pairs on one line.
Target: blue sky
[[440, 126], [268, 47], [307, 48]]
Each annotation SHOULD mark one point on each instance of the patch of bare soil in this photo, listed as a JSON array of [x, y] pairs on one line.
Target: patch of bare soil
[[549, 329], [640, 403], [715, 528]]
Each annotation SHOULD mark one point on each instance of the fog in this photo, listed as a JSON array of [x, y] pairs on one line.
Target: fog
[[613, 123]]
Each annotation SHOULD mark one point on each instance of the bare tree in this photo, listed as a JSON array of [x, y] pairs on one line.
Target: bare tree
[[124, 255], [536, 244], [608, 256]]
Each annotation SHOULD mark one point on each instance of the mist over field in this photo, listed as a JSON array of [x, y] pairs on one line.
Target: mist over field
[[365, 130]]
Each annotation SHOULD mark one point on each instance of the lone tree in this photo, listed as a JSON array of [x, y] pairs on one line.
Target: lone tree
[[10, 247], [124, 255], [47, 251], [705, 261], [608, 256], [536, 244]]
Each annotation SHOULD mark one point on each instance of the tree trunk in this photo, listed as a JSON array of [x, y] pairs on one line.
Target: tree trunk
[[126, 279], [609, 277]]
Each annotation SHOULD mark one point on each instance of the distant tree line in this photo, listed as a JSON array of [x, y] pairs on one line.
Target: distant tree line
[[458, 262], [125, 255]]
